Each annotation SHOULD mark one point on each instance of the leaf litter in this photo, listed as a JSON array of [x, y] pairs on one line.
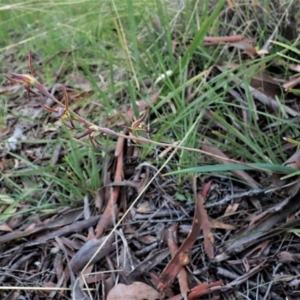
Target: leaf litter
[[164, 248]]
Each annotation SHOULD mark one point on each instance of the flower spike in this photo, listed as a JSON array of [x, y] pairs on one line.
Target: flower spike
[[139, 125]]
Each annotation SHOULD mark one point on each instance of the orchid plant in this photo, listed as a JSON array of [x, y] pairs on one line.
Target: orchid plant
[[66, 114]]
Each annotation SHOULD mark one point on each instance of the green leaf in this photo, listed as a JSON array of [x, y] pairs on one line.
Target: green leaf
[[180, 197]]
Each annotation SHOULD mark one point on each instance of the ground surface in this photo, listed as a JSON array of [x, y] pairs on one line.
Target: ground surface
[[173, 170]]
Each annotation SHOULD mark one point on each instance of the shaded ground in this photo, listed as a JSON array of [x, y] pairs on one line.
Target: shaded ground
[[79, 219]]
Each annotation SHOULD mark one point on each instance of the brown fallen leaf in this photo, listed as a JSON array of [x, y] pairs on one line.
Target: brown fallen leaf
[[205, 224], [135, 291], [111, 209], [87, 251], [237, 41], [5, 227], [176, 263], [172, 244]]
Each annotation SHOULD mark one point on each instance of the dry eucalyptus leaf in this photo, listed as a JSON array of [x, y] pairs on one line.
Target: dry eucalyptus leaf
[[5, 227], [135, 291], [145, 207], [285, 256], [88, 250]]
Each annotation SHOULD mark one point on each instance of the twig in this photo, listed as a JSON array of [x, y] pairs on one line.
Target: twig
[[228, 198]]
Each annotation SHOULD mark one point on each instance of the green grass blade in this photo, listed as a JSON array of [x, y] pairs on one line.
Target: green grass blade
[[235, 167]]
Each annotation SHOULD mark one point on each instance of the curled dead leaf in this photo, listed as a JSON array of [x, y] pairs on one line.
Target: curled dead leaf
[[285, 256]]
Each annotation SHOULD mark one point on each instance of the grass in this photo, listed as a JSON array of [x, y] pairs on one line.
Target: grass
[[116, 47], [121, 42]]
